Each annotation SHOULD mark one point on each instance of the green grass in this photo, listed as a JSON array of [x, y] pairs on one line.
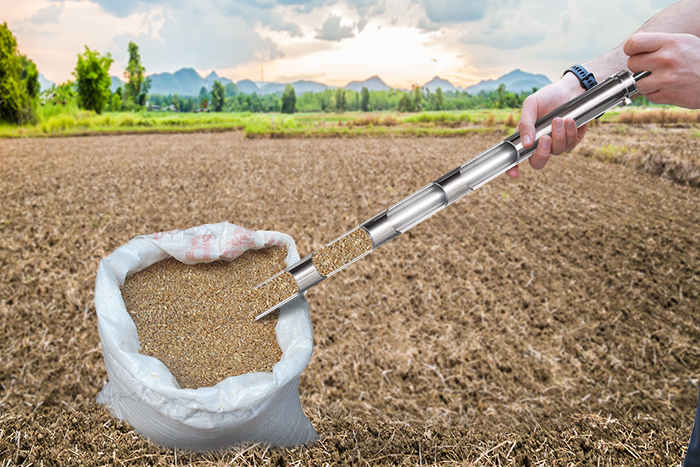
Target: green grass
[[69, 120]]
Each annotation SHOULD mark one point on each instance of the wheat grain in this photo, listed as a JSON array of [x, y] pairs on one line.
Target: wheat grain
[[346, 249], [197, 319]]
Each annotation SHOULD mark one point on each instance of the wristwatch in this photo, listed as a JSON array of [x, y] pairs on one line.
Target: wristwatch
[[584, 76]]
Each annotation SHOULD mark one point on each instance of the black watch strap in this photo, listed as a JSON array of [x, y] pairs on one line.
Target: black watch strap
[[584, 76]]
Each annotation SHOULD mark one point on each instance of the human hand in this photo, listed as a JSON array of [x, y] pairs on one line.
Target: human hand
[[674, 62], [564, 137]]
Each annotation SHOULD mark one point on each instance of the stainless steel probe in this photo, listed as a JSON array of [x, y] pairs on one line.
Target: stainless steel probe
[[614, 91]]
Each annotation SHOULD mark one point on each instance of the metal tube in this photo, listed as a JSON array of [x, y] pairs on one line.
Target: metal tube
[[614, 91]]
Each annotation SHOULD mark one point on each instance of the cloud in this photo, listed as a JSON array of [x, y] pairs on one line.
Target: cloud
[[197, 36], [362, 23], [124, 8], [426, 25], [363, 6], [440, 11], [49, 14], [332, 30], [379, 9]]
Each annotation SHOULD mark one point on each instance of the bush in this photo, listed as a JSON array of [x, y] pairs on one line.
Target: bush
[[19, 82], [92, 80]]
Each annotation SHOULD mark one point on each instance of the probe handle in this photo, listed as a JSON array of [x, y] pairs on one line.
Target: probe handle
[[614, 91]]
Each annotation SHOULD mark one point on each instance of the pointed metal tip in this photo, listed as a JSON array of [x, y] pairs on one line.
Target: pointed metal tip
[[267, 280], [274, 307]]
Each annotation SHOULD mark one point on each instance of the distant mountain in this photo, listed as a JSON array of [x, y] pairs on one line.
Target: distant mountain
[[211, 77], [187, 82], [44, 83], [300, 87], [373, 84], [515, 81], [246, 86], [116, 83], [273, 88], [438, 82]]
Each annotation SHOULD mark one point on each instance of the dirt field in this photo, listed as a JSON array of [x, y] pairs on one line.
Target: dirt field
[[549, 320]]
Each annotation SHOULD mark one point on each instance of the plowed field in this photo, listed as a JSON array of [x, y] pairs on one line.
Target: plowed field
[[549, 320]]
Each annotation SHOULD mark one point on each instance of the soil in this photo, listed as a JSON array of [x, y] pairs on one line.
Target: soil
[[548, 320]]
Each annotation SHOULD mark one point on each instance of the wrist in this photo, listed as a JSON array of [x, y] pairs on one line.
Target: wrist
[[571, 82]]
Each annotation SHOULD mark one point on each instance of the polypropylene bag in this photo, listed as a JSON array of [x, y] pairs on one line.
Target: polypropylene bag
[[254, 407]]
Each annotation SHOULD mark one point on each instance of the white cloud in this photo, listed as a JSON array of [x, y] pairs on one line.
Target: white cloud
[[454, 11], [332, 30], [48, 14], [473, 39]]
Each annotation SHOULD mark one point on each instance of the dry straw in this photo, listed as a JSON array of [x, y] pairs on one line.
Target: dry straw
[[198, 319]]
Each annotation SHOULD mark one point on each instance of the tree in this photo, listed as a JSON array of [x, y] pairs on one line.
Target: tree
[[19, 81], [30, 77], [364, 104], [92, 80], [289, 100], [439, 99], [417, 98], [231, 89], [137, 84], [218, 96], [406, 103], [176, 102], [501, 92], [340, 102], [116, 102]]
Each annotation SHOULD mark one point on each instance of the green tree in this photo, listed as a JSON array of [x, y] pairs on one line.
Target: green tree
[[364, 103], [406, 103], [176, 102], [231, 89], [137, 84], [218, 96], [116, 102], [501, 92], [30, 77], [19, 81], [204, 103], [439, 99], [340, 100], [92, 80], [417, 98], [289, 100]]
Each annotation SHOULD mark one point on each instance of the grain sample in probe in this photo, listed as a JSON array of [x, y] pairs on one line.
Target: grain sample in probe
[[343, 251]]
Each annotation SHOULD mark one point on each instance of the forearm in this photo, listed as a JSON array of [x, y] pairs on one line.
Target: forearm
[[680, 18]]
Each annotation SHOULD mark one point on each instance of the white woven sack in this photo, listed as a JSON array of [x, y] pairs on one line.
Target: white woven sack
[[254, 407]]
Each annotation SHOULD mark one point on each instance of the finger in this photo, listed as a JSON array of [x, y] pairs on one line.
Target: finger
[[514, 172], [571, 133], [540, 157], [528, 117], [642, 43], [558, 136], [581, 132]]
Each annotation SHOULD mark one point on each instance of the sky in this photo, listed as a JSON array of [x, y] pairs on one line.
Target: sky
[[404, 42]]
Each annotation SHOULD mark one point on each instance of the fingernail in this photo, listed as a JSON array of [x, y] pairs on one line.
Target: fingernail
[[558, 124], [545, 142], [526, 140], [571, 125]]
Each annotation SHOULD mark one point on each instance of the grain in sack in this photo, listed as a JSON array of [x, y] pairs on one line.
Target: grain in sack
[[258, 406]]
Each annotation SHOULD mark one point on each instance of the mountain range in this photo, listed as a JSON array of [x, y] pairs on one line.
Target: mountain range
[[515, 81], [187, 82]]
